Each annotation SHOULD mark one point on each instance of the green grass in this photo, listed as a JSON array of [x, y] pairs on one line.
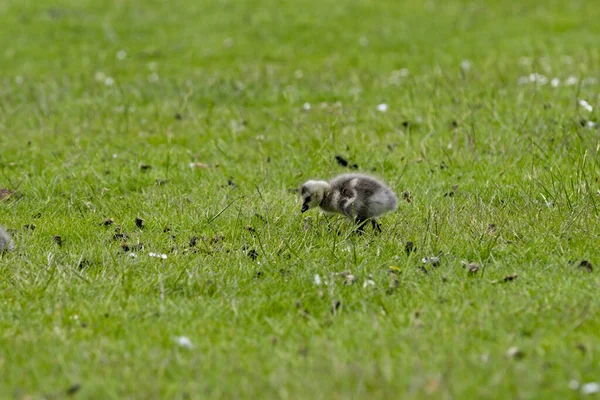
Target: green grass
[[473, 146]]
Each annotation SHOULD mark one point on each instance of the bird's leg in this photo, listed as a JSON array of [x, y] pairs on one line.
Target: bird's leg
[[361, 222], [376, 226]]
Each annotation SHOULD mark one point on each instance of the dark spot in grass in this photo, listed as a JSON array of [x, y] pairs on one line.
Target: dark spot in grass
[[257, 215], [125, 247], [250, 229], [120, 236], [84, 263], [193, 241], [454, 124], [423, 269], [160, 182], [284, 272], [491, 228], [583, 122], [166, 229], [345, 163], [515, 353], [341, 161], [37, 216], [217, 239], [145, 167], [107, 222], [443, 165], [586, 266], [409, 247], [139, 222], [84, 325], [407, 124], [253, 254], [231, 183], [74, 388], [507, 278], [335, 306], [582, 348], [547, 106], [58, 240], [258, 275], [178, 117], [30, 227], [406, 196]]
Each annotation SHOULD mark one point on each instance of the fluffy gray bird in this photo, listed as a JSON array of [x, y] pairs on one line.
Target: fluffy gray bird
[[359, 197], [6, 242]]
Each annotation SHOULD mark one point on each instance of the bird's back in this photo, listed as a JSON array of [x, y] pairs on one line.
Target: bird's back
[[369, 196]]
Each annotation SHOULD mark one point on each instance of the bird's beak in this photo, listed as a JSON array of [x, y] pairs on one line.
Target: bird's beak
[[304, 208]]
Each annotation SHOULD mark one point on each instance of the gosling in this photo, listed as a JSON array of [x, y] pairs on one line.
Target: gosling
[[360, 197]]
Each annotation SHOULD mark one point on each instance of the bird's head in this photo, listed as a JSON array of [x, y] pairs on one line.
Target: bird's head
[[312, 193]]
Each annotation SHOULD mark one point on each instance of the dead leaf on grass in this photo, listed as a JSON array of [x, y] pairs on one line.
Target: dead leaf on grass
[[6, 193], [507, 278]]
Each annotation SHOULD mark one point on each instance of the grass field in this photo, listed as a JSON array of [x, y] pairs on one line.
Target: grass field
[[201, 118]]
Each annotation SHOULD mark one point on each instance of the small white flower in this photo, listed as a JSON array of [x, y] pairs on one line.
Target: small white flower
[[572, 80], [541, 79], [363, 41], [368, 282], [153, 77], [75, 317], [298, 74], [109, 81], [115, 155], [100, 76], [306, 106], [18, 79], [152, 65], [523, 80], [590, 124], [555, 82], [586, 105], [590, 388], [382, 107], [158, 255], [133, 255], [121, 54], [228, 42], [573, 384], [317, 280], [465, 65], [184, 341]]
